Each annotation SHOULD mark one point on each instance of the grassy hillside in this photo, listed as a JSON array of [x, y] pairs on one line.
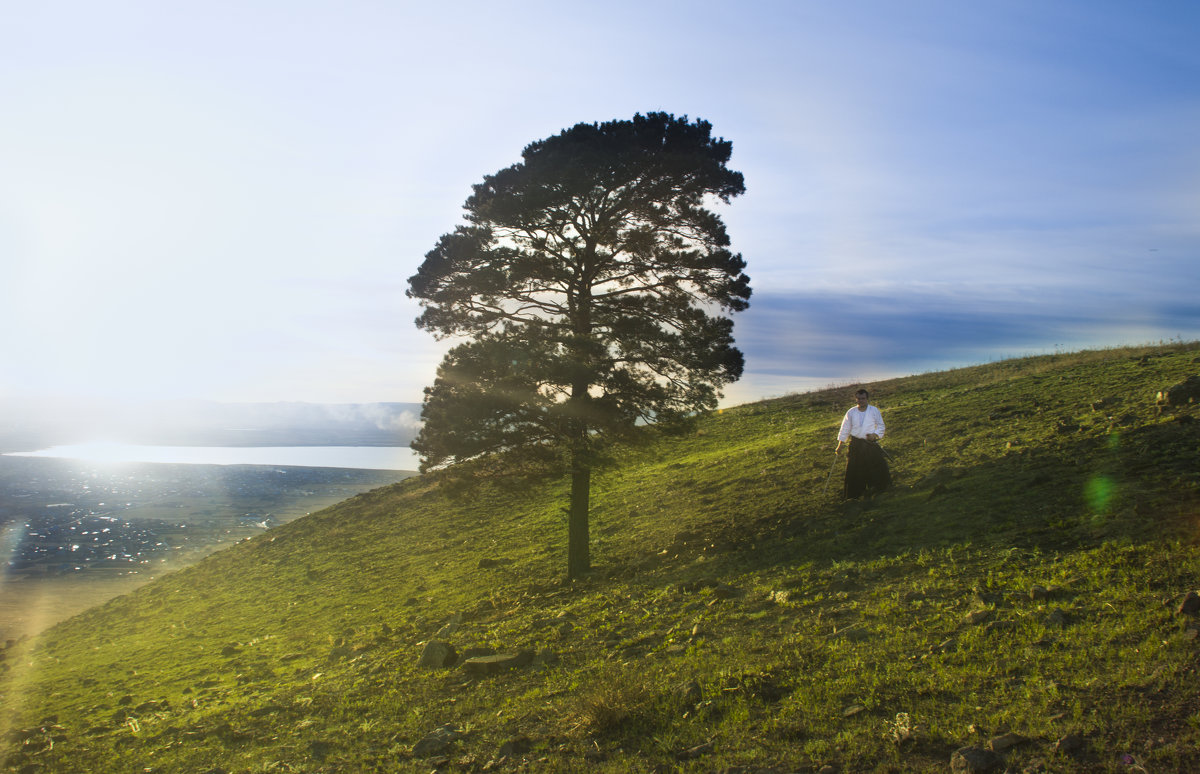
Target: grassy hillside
[[1017, 589]]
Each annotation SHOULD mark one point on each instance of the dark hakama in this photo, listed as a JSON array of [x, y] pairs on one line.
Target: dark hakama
[[866, 469]]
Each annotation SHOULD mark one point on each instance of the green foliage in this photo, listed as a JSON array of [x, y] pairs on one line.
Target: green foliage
[[735, 618], [586, 278]]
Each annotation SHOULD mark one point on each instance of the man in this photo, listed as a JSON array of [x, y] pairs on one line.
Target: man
[[866, 468]]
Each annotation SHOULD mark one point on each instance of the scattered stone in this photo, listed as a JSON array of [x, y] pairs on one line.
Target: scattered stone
[[976, 617], [1039, 592], [696, 752], [989, 598], [945, 646], [999, 626], [500, 662], [967, 760], [436, 742], [1181, 394], [1071, 744], [1005, 742], [230, 650], [1190, 604], [151, 706], [476, 651], [852, 710], [437, 655]]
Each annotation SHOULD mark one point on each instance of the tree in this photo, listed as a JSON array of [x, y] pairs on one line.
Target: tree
[[590, 282]]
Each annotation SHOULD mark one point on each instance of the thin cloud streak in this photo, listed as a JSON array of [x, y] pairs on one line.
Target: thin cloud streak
[[799, 341]]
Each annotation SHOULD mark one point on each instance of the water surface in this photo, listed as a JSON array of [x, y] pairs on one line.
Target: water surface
[[358, 457]]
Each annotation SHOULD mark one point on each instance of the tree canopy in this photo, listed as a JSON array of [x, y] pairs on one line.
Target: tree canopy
[[591, 285]]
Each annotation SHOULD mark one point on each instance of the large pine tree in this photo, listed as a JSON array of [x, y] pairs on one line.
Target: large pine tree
[[591, 282]]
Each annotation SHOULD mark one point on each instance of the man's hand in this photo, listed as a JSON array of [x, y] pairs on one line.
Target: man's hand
[[872, 437]]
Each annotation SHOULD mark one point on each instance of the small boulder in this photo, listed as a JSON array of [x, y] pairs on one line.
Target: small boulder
[[1190, 604], [437, 742], [437, 655]]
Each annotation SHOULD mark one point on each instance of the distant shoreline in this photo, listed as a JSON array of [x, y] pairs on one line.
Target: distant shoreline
[[353, 457]]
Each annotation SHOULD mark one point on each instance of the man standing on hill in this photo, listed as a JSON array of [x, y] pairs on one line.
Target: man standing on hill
[[866, 467]]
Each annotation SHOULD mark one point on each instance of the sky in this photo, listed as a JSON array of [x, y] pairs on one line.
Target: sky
[[223, 200]]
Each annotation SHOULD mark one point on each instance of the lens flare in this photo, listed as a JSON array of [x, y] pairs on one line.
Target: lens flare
[[1099, 492]]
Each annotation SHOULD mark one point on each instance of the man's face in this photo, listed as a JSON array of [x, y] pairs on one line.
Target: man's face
[[862, 399]]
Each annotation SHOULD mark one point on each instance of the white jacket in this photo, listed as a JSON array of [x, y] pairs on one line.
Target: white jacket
[[859, 423]]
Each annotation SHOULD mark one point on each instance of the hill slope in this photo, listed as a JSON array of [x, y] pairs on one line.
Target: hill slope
[[1018, 587]]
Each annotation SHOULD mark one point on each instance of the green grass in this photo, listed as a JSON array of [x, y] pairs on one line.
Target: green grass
[[736, 615]]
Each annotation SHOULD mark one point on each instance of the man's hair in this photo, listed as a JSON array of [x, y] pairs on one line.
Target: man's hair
[[862, 391]]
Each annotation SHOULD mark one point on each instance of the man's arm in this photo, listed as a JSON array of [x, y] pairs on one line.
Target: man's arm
[[843, 432], [879, 428]]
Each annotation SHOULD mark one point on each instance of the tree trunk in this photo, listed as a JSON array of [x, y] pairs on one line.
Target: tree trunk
[[578, 557]]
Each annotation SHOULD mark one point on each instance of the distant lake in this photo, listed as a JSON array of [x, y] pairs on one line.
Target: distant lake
[[359, 457]]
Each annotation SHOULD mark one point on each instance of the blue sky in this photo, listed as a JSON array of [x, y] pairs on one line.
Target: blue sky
[[224, 200]]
